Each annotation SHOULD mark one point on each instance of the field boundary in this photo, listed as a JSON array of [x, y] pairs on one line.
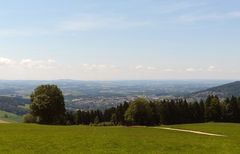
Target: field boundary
[[190, 131]]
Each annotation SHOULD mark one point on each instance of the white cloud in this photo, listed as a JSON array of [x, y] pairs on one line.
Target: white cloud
[[209, 16], [37, 64], [28, 69], [6, 61], [235, 14], [178, 6], [51, 61], [113, 66], [97, 67], [95, 22], [213, 69], [139, 67], [168, 70], [190, 70], [14, 33], [51, 69], [151, 68], [26, 62], [143, 68], [208, 69], [93, 66]]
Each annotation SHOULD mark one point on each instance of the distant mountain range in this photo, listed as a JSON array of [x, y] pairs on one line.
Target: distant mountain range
[[223, 91]]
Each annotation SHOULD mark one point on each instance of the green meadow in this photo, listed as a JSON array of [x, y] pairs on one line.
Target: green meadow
[[32, 138], [10, 117]]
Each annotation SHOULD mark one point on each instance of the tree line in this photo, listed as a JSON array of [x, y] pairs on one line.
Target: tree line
[[179, 111], [48, 108]]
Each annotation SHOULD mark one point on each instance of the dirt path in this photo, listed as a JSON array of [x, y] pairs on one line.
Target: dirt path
[[190, 131], [3, 122]]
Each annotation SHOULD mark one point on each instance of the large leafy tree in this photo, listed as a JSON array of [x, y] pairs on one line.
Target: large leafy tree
[[48, 104], [139, 112]]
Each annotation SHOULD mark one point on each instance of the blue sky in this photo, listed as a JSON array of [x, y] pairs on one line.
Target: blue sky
[[120, 40]]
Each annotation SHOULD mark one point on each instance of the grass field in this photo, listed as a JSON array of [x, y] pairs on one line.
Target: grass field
[[10, 117], [28, 138]]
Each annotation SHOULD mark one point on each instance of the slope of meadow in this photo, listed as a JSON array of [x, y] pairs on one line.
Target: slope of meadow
[[28, 138], [10, 117]]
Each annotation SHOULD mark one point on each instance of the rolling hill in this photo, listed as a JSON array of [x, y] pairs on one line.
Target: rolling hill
[[223, 91], [6, 117]]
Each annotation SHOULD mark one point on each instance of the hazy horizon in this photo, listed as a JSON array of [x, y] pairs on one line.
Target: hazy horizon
[[120, 40], [158, 80]]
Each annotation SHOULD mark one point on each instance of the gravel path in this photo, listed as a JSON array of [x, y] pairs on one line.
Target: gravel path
[[3, 122], [190, 131]]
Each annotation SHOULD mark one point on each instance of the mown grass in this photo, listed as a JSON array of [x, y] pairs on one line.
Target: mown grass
[[29, 138]]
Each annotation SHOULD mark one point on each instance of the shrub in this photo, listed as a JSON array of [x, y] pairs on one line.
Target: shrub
[[29, 118]]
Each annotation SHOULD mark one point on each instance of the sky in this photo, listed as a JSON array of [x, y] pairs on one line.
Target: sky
[[119, 40]]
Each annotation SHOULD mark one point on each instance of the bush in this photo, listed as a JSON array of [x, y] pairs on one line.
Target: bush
[[102, 124], [29, 118]]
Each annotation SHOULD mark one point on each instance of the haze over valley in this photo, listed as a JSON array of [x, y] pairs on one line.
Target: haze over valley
[[90, 95]]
